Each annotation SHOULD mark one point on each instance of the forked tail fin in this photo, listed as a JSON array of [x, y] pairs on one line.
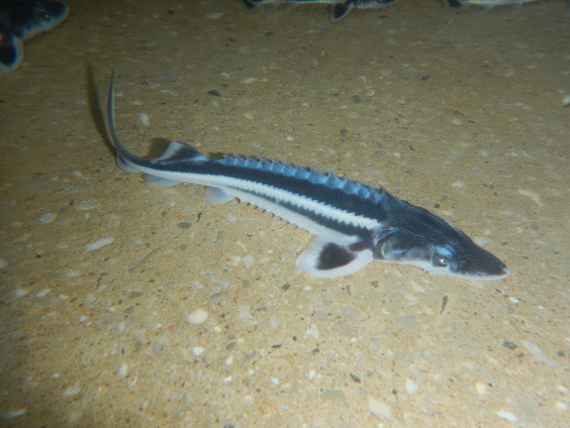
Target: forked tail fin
[[176, 152], [110, 120]]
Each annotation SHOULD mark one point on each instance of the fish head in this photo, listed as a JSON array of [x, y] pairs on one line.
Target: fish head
[[421, 238]]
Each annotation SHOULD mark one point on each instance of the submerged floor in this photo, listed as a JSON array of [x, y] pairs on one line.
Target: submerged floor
[[128, 305]]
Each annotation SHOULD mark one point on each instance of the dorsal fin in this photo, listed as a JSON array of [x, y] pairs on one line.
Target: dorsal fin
[[180, 151]]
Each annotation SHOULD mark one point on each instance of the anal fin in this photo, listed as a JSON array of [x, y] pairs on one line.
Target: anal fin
[[153, 180], [325, 259], [217, 196]]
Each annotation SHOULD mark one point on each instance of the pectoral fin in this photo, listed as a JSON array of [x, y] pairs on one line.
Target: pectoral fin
[[330, 260]]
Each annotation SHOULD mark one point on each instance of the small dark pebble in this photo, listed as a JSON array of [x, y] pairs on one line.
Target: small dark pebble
[[356, 99], [184, 225], [157, 348], [355, 378], [509, 345], [214, 93], [425, 77], [286, 286], [437, 206], [444, 302], [343, 132], [276, 346]]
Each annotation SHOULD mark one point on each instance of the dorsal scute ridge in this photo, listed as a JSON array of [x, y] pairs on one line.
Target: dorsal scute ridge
[[289, 170]]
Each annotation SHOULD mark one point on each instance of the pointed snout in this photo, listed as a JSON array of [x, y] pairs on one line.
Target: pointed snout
[[481, 264]]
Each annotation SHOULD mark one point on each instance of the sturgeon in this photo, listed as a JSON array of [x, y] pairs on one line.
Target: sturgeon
[[21, 20], [353, 223], [339, 9], [489, 3]]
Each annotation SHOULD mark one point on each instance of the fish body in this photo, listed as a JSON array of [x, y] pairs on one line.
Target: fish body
[[251, 4], [339, 8], [21, 20], [488, 3], [353, 223]]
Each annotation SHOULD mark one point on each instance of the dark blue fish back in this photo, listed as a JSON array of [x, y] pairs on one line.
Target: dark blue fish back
[[325, 180]]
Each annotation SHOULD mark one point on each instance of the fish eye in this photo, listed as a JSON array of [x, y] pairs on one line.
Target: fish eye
[[440, 261], [442, 257]]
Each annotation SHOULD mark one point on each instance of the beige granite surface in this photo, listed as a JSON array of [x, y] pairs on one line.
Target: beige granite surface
[[182, 314]]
